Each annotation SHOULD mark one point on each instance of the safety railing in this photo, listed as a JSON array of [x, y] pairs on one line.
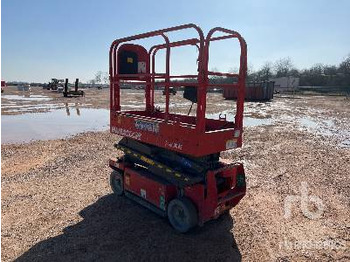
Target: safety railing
[[164, 79]]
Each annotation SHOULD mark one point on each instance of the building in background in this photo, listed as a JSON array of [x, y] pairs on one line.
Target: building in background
[[287, 83]]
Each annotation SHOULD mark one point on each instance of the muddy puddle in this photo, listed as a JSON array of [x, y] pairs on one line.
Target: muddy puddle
[[27, 97], [59, 123], [327, 128], [324, 127], [13, 109], [33, 104], [14, 104]]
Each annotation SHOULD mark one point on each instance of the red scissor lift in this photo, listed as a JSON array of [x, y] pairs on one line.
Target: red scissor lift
[[171, 161]]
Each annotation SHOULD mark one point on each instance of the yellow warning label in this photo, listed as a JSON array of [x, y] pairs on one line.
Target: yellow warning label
[[130, 60], [147, 160]]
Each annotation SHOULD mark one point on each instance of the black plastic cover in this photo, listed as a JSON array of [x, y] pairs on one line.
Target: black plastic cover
[[190, 93], [128, 62]]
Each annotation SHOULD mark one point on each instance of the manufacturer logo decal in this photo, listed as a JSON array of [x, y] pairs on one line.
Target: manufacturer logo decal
[[125, 132], [147, 126]]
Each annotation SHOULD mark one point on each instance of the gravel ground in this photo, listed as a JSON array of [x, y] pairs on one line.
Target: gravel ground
[[57, 204]]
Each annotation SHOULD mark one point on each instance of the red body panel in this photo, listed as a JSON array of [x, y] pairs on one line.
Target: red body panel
[[154, 191], [214, 202], [175, 135], [209, 200]]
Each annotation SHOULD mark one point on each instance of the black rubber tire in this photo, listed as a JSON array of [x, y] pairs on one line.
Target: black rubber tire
[[182, 214], [117, 183]]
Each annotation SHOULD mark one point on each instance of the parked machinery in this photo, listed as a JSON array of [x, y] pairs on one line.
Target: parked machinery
[[54, 84], [171, 162], [72, 93]]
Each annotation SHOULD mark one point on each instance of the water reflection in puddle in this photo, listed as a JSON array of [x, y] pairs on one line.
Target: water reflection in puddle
[[11, 107], [27, 108], [26, 97], [56, 124]]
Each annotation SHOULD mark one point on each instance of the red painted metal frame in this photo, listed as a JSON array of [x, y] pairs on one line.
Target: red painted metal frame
[[190, 135], [213, 203]]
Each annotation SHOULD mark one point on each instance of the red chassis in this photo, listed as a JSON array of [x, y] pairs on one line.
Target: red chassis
[[187, 197], [210, 199]]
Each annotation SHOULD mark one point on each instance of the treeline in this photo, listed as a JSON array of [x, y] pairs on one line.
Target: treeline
[[317, 75]]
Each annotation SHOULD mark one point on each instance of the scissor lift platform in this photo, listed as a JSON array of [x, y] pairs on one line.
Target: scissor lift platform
[[171, 161]]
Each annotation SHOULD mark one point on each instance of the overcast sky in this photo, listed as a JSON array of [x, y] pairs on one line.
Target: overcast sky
[[41, 39]]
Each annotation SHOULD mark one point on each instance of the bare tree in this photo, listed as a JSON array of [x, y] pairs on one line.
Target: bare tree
[[98, 77], [265, 73], [317, 69], [344, 66], [283, 66], [330, 70], [233, 70], [105, 78], [250, 69]]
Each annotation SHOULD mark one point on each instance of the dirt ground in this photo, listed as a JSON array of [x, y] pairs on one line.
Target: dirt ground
[[57, 204]]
